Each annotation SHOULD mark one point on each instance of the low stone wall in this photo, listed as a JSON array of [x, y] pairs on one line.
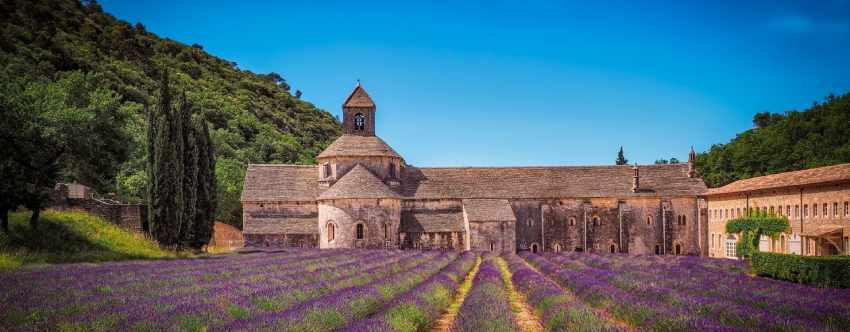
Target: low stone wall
[[128, 216]]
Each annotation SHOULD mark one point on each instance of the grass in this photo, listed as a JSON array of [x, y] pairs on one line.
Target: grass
[[71, 237]]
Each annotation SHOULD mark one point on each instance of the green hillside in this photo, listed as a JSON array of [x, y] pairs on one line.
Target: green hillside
[[68, 237], [818, 136], [253, 117]]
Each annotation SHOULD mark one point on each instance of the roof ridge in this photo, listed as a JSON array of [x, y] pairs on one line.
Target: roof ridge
[[369, 187], [544, 166], [281, 165]]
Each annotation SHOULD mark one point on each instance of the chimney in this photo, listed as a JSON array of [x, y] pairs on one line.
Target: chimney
[[636, 179], [692, 159]]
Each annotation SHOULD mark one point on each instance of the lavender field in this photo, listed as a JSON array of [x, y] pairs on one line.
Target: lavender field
[[365, 290]]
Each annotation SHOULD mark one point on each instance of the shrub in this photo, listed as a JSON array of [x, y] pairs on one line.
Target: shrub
[[828, 271]]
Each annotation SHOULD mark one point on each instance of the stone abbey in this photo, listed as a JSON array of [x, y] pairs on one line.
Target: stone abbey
[[361, 194]]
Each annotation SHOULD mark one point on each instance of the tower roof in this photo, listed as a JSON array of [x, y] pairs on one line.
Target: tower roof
[[358, 146], [358, 98], [358, 183]]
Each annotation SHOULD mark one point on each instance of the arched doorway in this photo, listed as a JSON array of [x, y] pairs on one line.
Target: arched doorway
[[557, 247], [678, 249], [657, 249], [534, 248], [613, 248], [359, 232]]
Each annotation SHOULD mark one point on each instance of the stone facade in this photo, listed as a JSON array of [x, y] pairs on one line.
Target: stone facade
[[815, 201], [362, 194]]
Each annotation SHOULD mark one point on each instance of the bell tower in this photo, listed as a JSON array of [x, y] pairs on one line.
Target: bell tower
[[358, 113]]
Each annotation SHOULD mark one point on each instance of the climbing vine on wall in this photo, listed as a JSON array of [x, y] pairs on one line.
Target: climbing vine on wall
[[752, 226]]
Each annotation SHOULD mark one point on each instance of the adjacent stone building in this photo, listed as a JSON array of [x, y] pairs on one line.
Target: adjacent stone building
[[363, 195], [815, 201]]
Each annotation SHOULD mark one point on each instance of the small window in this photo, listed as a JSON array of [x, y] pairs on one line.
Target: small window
[[534, 248], [846, 208], [684, 220], [330, 229], [556, 247], [326, 170], [657, 249], [359, 231], [739, 213], [392, 170], [596, 221], [730, 248], [678, 249], [613, 248], [772, 211], [796, 210], [806, 210], [835, 209], [573, 220], [493, 246], [788, 210], [359, 122], [649, 218], [825, 210], [815, 210]]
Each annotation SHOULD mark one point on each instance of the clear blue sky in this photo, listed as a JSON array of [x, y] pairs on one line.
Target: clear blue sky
[[532, 83]]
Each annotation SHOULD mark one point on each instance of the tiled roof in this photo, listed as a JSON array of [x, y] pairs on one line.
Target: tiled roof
[[280, 183], [282, 225], [427, 220], [358, 146], [358, 183], [488, 210], [358, 98], [828, 174], [548, 182]]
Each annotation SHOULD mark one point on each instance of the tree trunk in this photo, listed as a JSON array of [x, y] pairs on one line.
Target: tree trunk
[[34, 218], [4, 219]]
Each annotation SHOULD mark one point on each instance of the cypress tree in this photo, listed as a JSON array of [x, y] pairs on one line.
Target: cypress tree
[[621, 158], [189, 174], [206, 185]]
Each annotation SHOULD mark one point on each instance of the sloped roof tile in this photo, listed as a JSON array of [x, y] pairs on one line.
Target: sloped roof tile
[[358, 146], [488, 210], [359, 182], [431, 220], [358, 98], [280, 183], [828, 174]]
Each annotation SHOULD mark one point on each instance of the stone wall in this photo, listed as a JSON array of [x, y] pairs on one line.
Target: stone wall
[[634, 226], [497, 236], [379, 218]]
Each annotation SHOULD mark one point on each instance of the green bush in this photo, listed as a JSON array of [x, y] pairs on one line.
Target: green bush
[[827, 271]]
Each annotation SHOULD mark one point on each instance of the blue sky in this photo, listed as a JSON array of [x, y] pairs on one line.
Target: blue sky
[[497, 83]]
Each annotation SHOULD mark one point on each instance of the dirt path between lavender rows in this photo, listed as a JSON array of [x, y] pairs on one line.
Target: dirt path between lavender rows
[[523, 314], [445, 322], [604, 314]]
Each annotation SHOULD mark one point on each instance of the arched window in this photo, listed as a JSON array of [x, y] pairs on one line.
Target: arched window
[[359, 231], [492, 246], [825, 210], [556, 247], [572, 221], [326, 170], [330, 228], [835, 209], [782, 243], [392, 170], [678, 249], [359, 121], [815, 210], [684, 220], [649, 219], [613, 248], [534, 248]]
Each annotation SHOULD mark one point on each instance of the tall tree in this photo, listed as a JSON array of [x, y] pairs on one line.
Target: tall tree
[[50, 131], [621, 158], [182, 173]]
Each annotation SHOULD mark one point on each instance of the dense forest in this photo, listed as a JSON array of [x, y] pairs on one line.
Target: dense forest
[[84, 58], [794, 140]]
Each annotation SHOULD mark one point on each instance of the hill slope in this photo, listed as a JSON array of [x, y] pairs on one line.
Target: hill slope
[[67, 237], [254, 117], [818, 136]]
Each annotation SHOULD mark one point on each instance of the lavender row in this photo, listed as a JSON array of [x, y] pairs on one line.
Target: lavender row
[[93, 292], [418, 308], [161, 297], [634, 307], [334, 309], [487, 306], [559, 310], [233, 303], [736, 298]]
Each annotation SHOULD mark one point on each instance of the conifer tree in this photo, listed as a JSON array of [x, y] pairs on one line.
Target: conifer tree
[[621, 158]]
